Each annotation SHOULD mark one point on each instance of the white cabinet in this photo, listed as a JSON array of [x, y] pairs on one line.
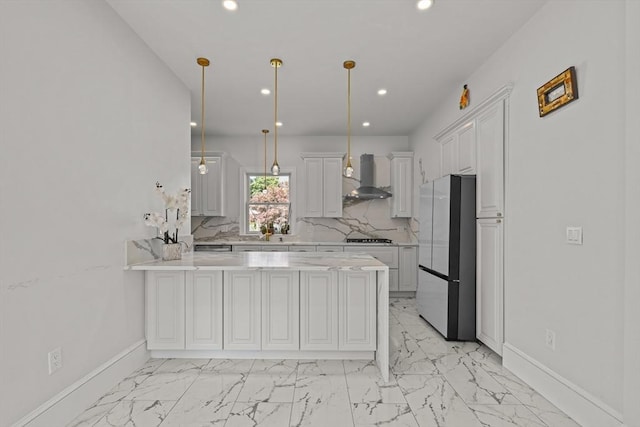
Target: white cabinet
[[401, 184], [387, 255], [318, 310], [322, 185], [203, 314], [490, 175], [489, 283], [407, 268], [329, 248], [165, 310], [280, 310], [207, 191], [458, 149], [466, 136], [357, 310], [242, 305]]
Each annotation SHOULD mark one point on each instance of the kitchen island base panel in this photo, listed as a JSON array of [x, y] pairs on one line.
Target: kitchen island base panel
[[260, 354]]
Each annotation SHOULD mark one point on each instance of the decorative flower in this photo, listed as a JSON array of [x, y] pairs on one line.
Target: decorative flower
[[179, 203]]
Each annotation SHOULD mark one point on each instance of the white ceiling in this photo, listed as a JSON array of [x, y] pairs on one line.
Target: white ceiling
[[417, 56]]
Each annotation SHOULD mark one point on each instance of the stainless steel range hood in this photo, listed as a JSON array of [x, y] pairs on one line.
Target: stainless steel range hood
[[367, 191]]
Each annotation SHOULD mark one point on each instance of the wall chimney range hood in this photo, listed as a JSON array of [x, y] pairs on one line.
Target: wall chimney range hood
[[367, 191]]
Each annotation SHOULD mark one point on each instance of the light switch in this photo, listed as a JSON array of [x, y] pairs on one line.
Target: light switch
[[574, 235]]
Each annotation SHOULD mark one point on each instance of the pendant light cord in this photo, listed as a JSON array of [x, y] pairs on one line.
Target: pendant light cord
[[202, 102], [349, 116], [275, 119]]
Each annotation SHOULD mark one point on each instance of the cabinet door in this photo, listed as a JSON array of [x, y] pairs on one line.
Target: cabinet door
[[242, 310], [449, 155], [394, 280], [332, 187], [203, 310], [408, 260], [467, 148], [357, 310], [401, 187], [313, 190], [212, 185], [165, 310], [196, 188], [490, 173], [280, 310], [489, 285], [318, 310]]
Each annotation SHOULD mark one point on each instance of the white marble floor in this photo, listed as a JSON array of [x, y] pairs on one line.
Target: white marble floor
[[434, 383]]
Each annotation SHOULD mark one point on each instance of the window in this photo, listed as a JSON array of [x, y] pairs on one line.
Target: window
[[268, 202]]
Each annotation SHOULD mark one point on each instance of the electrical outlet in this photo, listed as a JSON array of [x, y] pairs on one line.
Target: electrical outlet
[[550, 339], [55, 360]]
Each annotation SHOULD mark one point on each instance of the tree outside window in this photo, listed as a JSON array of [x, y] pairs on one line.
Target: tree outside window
[[269, 202]]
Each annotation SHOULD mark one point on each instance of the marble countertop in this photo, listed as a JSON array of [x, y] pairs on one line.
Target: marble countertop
[[317, 261], [276, 242]]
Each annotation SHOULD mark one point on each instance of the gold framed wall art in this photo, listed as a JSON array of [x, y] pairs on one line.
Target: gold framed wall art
[[558, 92]]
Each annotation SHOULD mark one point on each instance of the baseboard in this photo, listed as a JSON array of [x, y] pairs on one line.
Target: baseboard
[[73, 400], [576, 402]]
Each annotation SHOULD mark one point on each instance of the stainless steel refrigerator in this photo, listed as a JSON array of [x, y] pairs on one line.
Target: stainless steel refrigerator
[[446, 295]]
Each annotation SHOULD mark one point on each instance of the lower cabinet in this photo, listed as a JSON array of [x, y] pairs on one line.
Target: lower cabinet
[[253, 310], [357, 310], [242, 304], [280, 310], [165, 310], [203, 305], [408, 268], [318, 310]]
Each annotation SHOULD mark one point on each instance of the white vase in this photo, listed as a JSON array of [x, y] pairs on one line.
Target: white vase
[[171, 251]]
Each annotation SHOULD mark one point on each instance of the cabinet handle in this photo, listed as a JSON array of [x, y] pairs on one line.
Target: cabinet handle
[[499, 214], [498, 221]]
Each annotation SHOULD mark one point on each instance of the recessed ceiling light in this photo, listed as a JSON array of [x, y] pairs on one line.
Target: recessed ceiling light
[[366, 124], [193, 124], [382, 92], [424, 4], [230, 4], [278, 124], [265, 91]]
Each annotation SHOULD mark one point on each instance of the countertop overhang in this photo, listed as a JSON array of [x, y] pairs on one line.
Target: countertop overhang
[[308, 261]]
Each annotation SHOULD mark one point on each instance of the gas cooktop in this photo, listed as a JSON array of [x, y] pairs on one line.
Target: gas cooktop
[[369, 240]]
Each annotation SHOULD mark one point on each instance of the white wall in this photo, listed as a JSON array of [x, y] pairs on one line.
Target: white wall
[[566, 169], [632, 213], [90, 120]]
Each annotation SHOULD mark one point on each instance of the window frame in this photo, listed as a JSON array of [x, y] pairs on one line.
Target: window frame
[[245, 172]]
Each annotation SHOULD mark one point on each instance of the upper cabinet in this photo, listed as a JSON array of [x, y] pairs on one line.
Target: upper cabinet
[[401, 184], [207, 191], [490, 141], [458, 149], [322, 190]]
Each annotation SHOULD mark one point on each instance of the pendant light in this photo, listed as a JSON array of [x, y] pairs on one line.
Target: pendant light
[[202, 168], [275, 168], [265, 132], [348, 170]]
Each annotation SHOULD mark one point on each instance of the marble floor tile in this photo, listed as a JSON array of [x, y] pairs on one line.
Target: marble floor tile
[[92, 415], [263, 414], [261, 387], [506, 416], [229, 366], [406, 357], [433, 383], [383, 414], [365, 385], [471, 382], [183, 366], [163, 386], [435, 403], [129, 413]]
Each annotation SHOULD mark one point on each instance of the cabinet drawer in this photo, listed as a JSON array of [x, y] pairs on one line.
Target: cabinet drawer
[[275, 248], [385, 254], [246, 248]]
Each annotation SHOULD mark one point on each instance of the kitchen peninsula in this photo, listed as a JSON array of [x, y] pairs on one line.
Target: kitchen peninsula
[[268, 305]]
